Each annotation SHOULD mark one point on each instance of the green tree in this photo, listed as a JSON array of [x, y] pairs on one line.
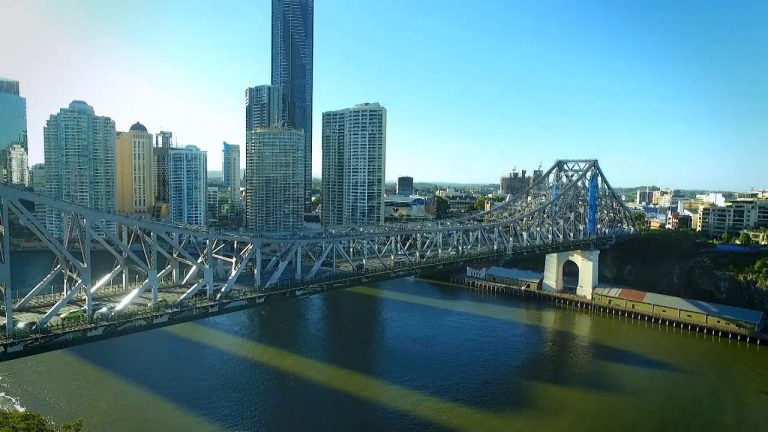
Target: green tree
[[726, 238], [15, 421], [640, 220], [441, 207], [761, 267], [745, 239], [480, 203]]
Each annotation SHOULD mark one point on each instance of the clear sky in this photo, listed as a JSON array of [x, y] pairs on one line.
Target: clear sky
[[672, 93]]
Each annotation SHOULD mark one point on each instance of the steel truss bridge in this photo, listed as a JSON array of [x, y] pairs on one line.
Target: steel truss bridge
[[165, 273]]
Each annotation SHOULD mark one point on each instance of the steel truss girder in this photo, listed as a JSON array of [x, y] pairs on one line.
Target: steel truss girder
[[572, 201]]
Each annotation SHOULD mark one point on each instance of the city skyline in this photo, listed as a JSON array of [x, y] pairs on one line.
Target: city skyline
[[662, 107]]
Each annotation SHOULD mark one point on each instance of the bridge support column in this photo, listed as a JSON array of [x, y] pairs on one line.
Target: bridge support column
[[257, 266], [208, 269], [587, 261], [5, 268], [152, 275]]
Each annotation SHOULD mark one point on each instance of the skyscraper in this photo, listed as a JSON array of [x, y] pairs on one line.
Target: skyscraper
[[292, 45], [187, 178], [274, 180], [231, 174], [134, 170], [79, 161], [354, 155], [13, 131], [263, 107]]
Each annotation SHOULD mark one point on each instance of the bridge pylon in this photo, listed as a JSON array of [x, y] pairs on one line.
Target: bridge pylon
[[587, 262]]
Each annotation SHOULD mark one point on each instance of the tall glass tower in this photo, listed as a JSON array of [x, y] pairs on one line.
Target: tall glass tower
[[292, 42]]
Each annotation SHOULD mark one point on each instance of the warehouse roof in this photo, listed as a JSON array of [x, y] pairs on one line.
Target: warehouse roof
[[715, 309], [523, 275]]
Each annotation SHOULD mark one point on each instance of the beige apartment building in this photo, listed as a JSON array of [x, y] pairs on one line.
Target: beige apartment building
[[135, 177], [734, 216]]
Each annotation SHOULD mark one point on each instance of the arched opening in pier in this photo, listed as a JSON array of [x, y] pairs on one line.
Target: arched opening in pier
[[570, 276]]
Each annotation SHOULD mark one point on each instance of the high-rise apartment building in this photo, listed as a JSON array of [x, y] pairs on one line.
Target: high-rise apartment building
[[263, 107], [16, 165], [187, 178], [212, 201], [231, 174], [160, 155], [354, 155], [38, 181], [79, 161], [514, 183], [405, 186], [13, 132], [292, 46], [38, 178], [734, 216], [134, 167], [274, 180]]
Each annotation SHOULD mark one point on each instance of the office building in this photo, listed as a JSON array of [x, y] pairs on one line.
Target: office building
[[134, 167], [79, 161], [354, 155], [405, 186], [231, 175], [263, 107], [13, 132], [274, 180], [187, 178], [292, 46]]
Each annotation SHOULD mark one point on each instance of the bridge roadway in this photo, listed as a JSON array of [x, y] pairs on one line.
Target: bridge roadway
[[571, 207]]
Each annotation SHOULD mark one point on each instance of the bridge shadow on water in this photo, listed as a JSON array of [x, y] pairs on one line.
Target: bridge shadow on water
[[431, 345]]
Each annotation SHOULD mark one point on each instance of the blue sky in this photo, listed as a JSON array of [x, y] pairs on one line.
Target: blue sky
[[672, 93]]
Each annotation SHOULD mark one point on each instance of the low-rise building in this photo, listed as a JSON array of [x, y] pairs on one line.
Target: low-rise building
[[400, 208], [458, 200], [758, 236], [677, 220], [525, 279], [682, 309]]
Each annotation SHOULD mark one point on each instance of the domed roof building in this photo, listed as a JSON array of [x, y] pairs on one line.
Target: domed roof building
[[138, 127]]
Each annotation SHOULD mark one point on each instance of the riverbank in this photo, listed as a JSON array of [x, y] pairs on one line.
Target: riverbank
[[607, 308]]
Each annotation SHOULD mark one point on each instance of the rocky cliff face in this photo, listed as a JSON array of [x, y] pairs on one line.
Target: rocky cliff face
[[680, 264]]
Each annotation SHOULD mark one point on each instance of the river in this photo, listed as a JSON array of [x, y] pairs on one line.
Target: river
[[400, 355]]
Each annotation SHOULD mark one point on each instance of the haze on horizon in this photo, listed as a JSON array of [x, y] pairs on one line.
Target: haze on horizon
[[672, 94]]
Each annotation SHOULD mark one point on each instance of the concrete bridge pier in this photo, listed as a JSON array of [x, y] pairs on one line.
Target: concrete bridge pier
[[586, 261]]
